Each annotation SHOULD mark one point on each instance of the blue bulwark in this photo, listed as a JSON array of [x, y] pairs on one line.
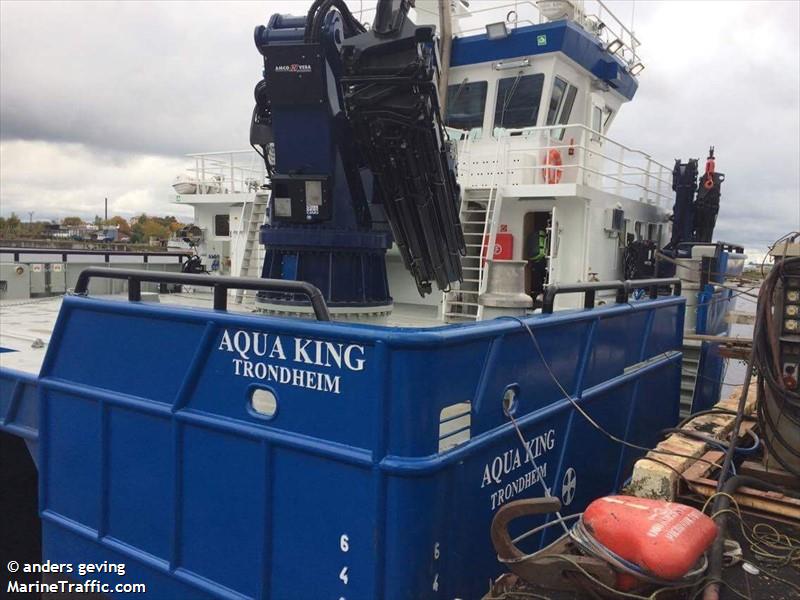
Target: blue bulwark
[[560, 36], [156, 455]]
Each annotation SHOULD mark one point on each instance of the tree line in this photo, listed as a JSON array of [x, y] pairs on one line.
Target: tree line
[[138, 229]]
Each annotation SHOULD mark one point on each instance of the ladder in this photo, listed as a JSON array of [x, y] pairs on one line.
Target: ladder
[[479, 214], [690, 367], [478, 207], [251, 255]]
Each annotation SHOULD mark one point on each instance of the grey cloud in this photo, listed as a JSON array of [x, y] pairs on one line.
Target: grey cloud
[[159, 78], [111, 83], [58, 180], [735, 86]]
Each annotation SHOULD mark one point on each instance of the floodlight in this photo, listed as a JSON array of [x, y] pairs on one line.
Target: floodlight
[[615, 46], [496, 31]]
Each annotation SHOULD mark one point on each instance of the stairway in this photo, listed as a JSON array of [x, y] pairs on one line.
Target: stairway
[[251, 256], [689, 368], [461, 305]]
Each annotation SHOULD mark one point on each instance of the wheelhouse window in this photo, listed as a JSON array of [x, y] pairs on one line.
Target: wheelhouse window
[[466, 103], [652, 232], [562, 99], [222, 225], [517, 104], [607, 121], [597, 123]]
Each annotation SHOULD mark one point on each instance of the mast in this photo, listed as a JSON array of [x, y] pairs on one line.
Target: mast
[[445, 18]]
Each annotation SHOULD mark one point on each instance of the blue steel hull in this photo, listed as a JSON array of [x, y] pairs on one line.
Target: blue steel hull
[[712, 319], [151, 455]]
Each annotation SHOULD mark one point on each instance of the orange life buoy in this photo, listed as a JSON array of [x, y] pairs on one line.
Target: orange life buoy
[[553, 171]]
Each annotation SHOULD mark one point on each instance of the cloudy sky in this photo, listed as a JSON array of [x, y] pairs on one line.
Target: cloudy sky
[[103, 99]]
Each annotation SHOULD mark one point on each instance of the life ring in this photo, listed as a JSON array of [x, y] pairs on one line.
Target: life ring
[[553, 170]]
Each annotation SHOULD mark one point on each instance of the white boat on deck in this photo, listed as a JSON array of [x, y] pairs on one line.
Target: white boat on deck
[[192, 185], [222, 211]]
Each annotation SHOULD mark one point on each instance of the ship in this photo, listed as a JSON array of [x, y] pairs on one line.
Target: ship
[[435, 286]]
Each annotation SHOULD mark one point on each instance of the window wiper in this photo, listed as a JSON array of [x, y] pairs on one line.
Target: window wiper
[[459, 90], [507, 100]]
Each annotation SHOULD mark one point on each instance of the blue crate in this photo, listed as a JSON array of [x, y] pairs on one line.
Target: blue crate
[[151, 454]]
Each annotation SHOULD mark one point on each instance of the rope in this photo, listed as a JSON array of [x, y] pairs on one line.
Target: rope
[[587, 416], [529, 454], [767, 544]]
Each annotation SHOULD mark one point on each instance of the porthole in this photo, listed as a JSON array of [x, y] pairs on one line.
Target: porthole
[[510, 400], [263, 402]]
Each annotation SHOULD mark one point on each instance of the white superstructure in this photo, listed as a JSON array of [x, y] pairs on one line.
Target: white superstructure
[[221, 187], [537, 169]]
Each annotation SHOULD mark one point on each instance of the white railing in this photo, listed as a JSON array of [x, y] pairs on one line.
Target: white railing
[[229, 172], [593, 15], [587, 158], [609, 28]]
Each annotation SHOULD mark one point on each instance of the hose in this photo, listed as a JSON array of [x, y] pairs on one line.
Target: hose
[[708, 411], [721, 504], [765, 356], [770, 383], [316, 14], [696, 435], [310, 15], [715, 558], [584, 538]]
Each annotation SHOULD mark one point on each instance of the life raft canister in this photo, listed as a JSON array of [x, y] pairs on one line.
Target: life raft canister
[[664, 538], [553, 170]]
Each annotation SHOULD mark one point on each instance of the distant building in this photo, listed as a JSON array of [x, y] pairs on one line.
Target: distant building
[[107, 234], [82, 232]]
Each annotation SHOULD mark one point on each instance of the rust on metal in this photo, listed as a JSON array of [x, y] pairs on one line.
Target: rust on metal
[[547, 569]]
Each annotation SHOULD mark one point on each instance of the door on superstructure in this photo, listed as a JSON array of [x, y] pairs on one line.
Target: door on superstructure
[[594, 142], [539, 248]]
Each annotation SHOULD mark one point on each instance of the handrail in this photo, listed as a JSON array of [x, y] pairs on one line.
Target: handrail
[[596, 18], [226, 172], [623, 289], [725, 246], [616, 19], [220, 284], [220, 153], [631, 45], [16, 251], [630, 168], [548, 128]]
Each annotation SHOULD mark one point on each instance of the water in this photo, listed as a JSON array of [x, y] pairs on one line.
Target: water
[[734, 375]]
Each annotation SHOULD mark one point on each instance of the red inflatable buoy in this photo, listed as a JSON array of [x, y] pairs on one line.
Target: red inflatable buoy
[[664, 538]]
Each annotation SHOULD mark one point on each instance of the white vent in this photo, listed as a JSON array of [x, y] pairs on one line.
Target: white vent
[[455, 422]]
